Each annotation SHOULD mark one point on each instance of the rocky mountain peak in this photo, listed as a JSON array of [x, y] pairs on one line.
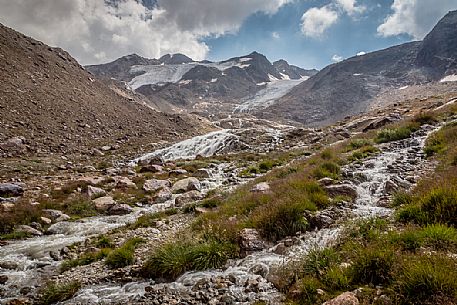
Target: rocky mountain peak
[[438, 51], [175, 59]]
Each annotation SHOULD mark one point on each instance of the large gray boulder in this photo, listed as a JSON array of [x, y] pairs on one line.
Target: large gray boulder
[[93, 192], [120, 209], [341, 190], [10, 190], [103, 204], [163, 195], [185, 185], [154, 185], [188, 197]]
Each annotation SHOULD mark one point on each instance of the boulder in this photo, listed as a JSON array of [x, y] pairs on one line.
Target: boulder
[[3, 279], [124, 182], [154, 185], [151, 168], [120, 209], [93, 192], [14, 146], [250, 241], [63, 217], [162, 195], [177, 172], [347, 298], [390, 187], [261, 187], [185, 185], [10, 190], [46, 220], [188, 197], [202, 173], [103, 204], [28, 230], [52, 214], [326, 181], [341, 190]]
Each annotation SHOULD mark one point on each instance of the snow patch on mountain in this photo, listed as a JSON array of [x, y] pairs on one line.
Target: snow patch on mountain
[[268, 96], [449, 78]]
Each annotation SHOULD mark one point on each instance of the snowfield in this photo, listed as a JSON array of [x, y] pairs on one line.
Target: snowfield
[[268, 96], [156, 74]]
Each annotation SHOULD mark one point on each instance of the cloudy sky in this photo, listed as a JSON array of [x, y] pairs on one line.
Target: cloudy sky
[[308, 33]]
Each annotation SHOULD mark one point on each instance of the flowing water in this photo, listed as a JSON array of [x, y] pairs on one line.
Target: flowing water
[[396, 162], [29, 259]]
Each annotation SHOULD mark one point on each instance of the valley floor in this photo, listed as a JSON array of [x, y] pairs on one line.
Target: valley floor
[[366, 207]]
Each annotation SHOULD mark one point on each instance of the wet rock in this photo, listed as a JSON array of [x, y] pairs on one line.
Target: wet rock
[[3, 279], [279, 249], [63, 217], [151, 161], [341, 190], [54, 255], [28, 230], [347, 298], [103, 204], [390, 187], [162, 195], [151, 168], [154, 185], [326, 181], [37, 226], [10, 190], [188, 197], [250, 241], [261, 187], [52, 214], [10, 265], [124, 182], [202, 173], [93, 192], [185, 185], [320, 219], [120, 209]]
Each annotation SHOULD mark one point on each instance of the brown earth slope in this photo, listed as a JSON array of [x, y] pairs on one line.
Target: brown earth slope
[[47, 98]]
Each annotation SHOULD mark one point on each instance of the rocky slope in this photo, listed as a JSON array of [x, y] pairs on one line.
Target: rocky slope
[[49, 103], [348, 87]]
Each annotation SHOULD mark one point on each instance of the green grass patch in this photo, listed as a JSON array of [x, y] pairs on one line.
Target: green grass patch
[[84, 259], [124, 255], [173, 259], [150, 220], [53, 292], [396, 134]]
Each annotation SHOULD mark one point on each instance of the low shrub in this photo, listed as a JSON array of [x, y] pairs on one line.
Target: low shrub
[[150, 220], [278, 220], [439, 237], [53, 292], [425, 118], [372, 265], [318, 261], [336, 278], [358, 143], [395, 134], [124, 255], [173, 259], [85, 259], [363, 153], [435, 144], [327, 169], [427, 280], [437, 206]]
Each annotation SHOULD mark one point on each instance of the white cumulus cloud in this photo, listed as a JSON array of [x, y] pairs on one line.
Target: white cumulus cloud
[[351, 7], [316, 21], [415, 17], [361, 53], [337, 58], [94, 31]]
